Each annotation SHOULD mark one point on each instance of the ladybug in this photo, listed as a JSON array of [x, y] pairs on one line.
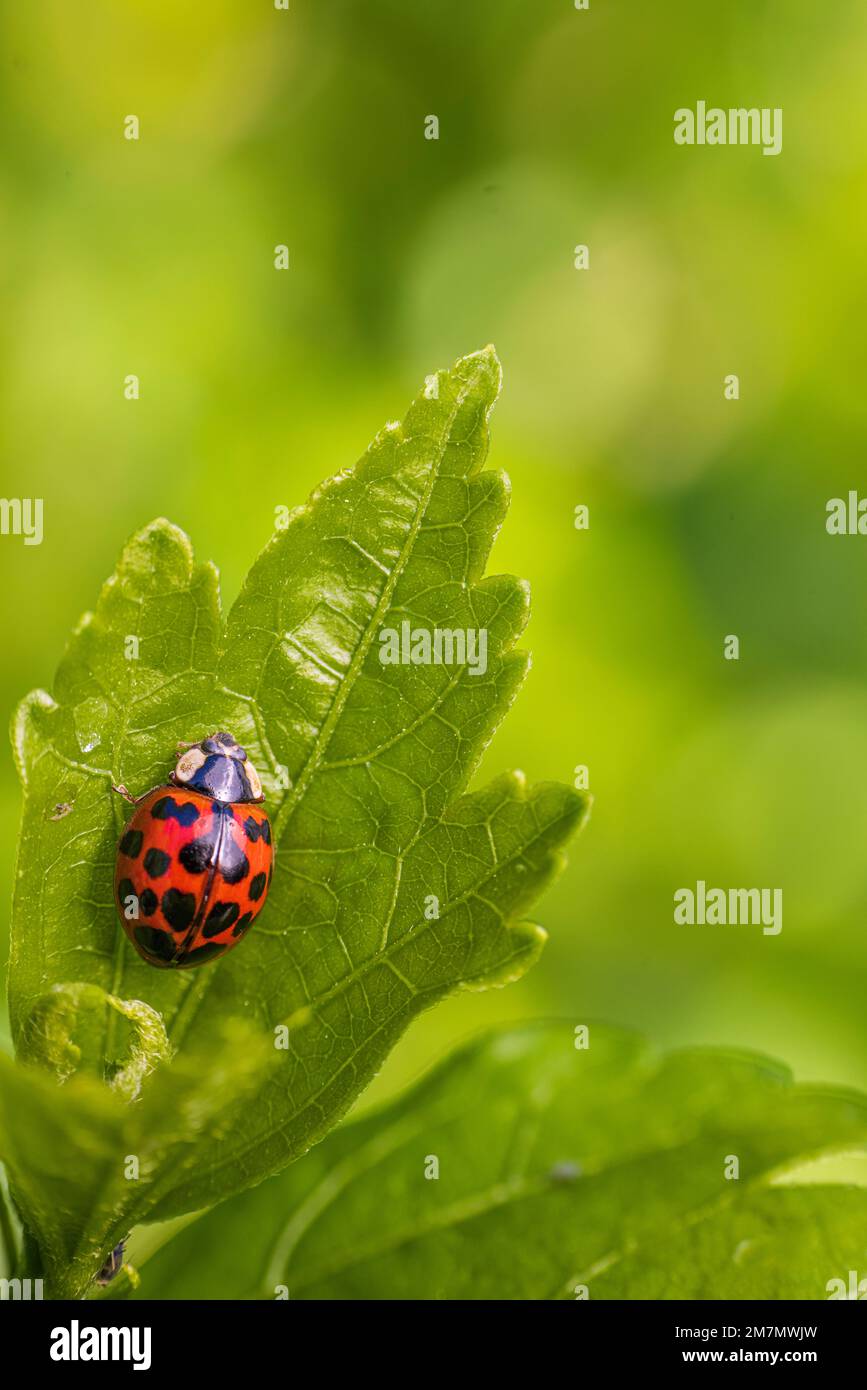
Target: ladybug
[[195, 859]]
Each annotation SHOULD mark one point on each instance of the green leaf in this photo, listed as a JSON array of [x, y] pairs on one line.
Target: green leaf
[[393, 887], [775, 1243], [557, 1167], [58, 1144], [84, 1166], [58, 1034]]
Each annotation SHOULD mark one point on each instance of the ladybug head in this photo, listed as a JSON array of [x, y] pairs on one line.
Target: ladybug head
[[219, 767]]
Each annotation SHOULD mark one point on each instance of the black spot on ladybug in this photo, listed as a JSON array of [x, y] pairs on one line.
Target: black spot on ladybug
[[196, 856], [233, 862], [257, 887], [156, 862], [126, 889], [179, 908], [251, 829], [185, 812], [155, 943], [148, 902], [265, 831], [203, 953], [130, 843], [220, 918], [242, 924]]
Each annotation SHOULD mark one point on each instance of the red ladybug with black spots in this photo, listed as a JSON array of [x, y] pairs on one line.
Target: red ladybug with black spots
[[194, 862]]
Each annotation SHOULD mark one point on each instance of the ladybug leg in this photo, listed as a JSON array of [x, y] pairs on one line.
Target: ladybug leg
[[181, 746], [127, 796]]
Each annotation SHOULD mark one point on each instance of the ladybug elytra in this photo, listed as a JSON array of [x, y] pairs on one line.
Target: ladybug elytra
[[194, 861]]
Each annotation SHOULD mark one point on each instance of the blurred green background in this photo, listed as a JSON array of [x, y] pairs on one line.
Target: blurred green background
[[306, 127]]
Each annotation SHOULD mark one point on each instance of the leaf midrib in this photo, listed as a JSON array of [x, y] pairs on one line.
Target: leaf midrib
[[291, 802]]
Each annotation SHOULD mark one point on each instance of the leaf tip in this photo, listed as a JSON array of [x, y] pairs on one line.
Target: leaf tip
[[485, 365], [160, 546], [583, 802], [527, 940]]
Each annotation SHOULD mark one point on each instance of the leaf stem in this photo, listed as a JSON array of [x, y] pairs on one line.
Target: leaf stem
[[29, 1265], [8, 1234]]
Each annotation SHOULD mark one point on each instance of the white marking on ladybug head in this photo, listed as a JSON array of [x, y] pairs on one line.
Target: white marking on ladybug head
[[254, 780], [189, 763]]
